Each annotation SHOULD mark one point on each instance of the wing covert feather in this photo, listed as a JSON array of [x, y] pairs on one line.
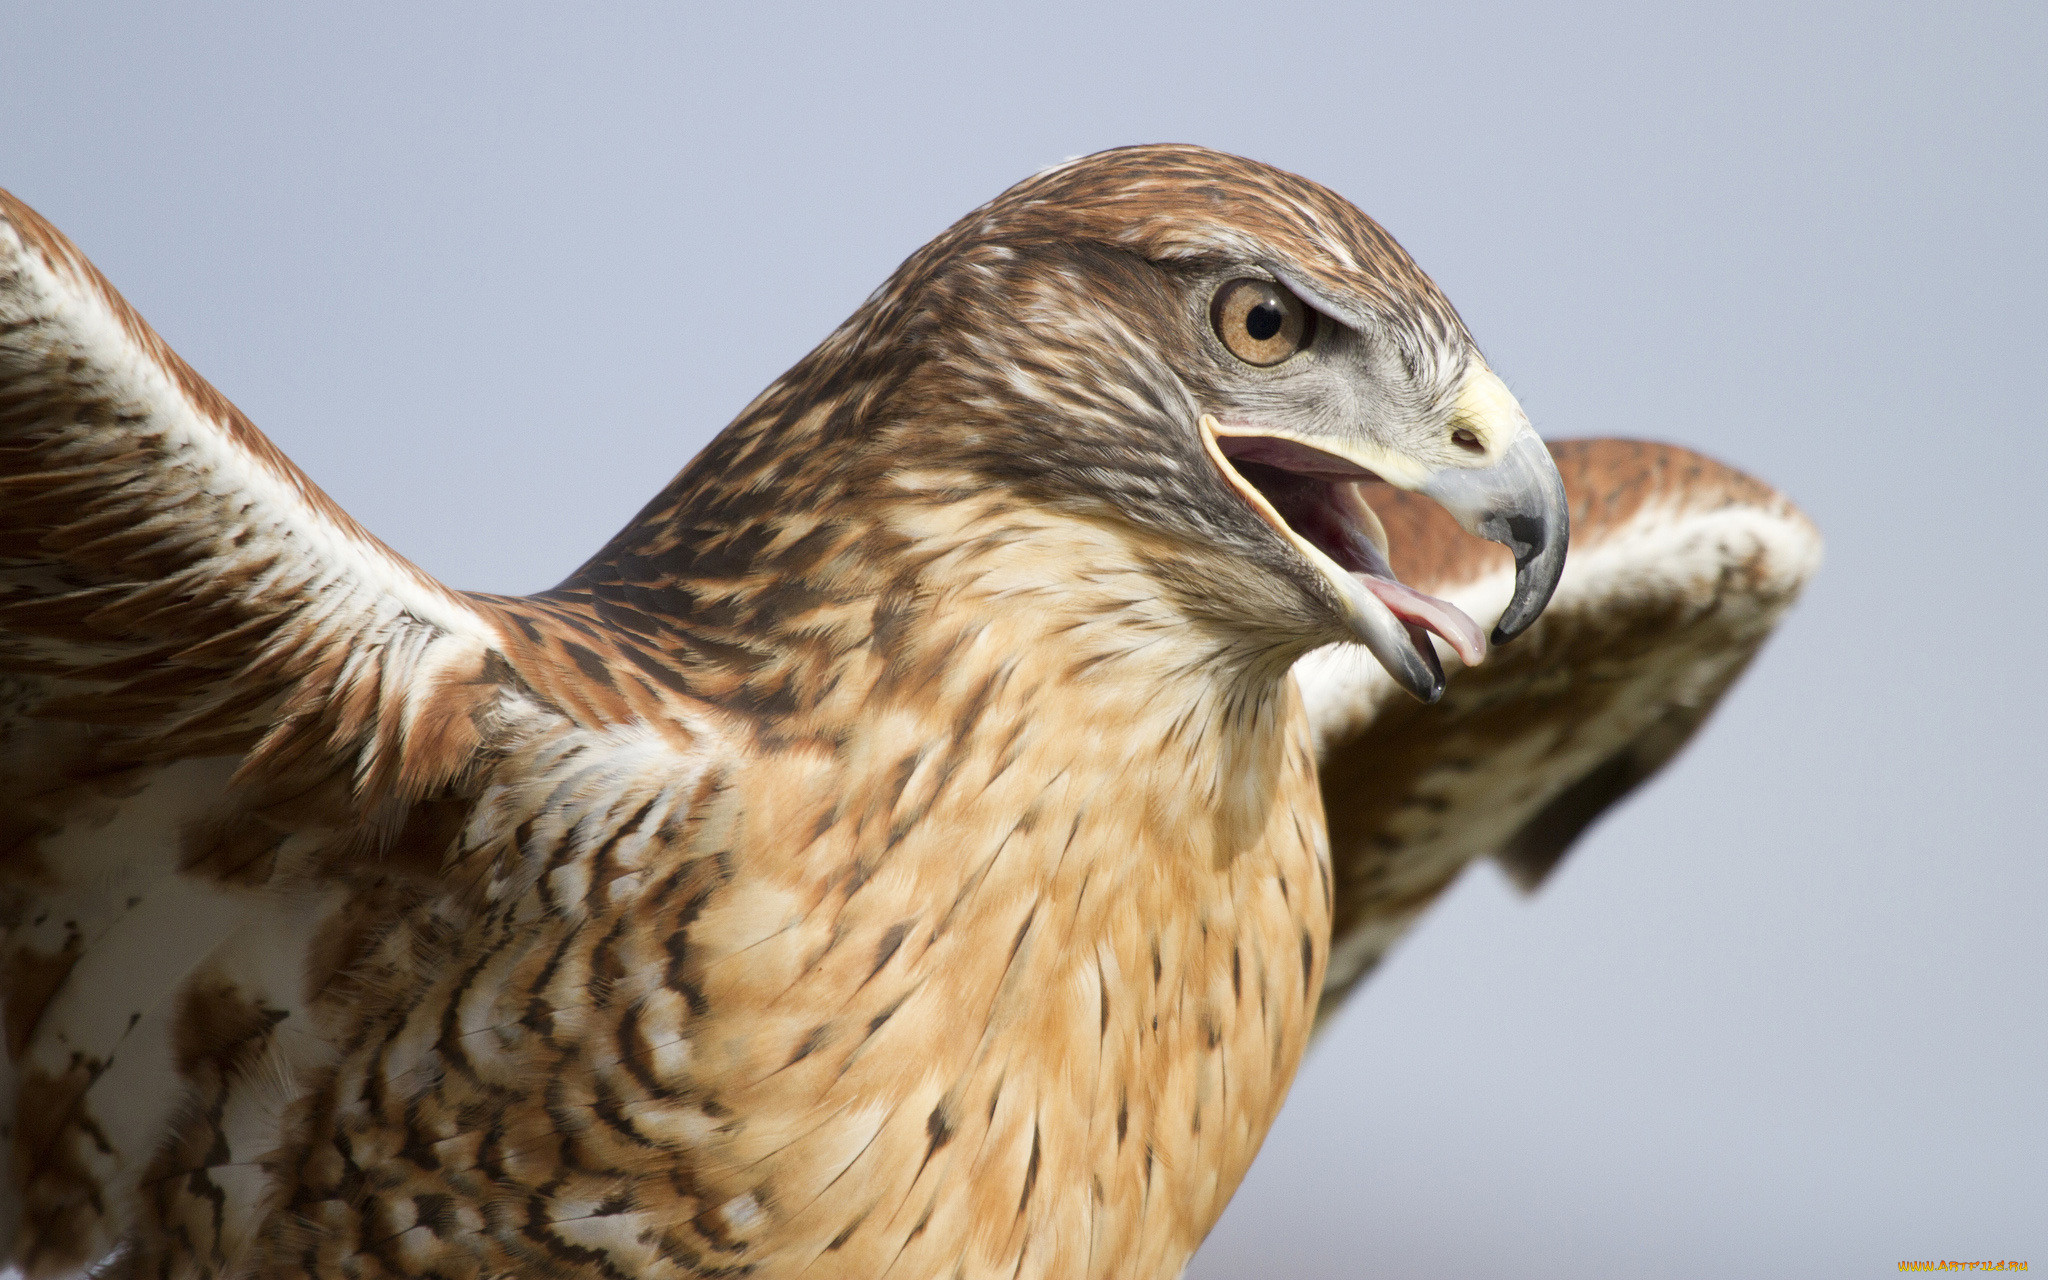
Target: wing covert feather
[[1679, 569], [167, 573], [245, 750], [207, 670]]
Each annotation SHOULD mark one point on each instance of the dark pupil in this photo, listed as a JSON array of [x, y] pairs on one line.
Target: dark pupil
[[1263, 321]]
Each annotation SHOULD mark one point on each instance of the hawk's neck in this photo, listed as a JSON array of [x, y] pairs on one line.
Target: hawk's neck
[[1021, 903], [1025, 964]]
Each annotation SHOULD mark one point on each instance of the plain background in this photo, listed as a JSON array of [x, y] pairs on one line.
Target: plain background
[[493, 273]]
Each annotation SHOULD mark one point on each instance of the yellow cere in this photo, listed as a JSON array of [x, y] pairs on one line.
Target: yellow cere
[[1487, 409]]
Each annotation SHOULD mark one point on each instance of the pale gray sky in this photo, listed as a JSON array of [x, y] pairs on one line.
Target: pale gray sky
[[492, 273]]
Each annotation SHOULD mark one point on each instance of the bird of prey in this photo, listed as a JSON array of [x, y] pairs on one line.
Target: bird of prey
[[900, 852]]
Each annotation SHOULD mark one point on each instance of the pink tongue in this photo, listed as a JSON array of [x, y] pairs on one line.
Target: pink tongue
[[1447, 620]]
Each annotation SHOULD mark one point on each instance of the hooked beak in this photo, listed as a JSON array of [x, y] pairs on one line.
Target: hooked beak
[[1511, 494], [1517, 500]]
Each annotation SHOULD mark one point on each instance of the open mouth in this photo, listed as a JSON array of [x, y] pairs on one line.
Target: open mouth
[[1312, 498]]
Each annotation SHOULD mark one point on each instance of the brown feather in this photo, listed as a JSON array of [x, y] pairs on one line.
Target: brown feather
[[1680, 569]]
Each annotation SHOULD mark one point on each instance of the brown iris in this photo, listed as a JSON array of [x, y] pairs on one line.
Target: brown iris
[[1260, 322]]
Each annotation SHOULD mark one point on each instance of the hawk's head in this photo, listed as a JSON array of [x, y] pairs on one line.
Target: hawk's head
[[1209, 347], [1209, 353]]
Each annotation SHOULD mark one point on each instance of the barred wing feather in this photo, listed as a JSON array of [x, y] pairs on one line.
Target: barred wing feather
[[1679, 570]]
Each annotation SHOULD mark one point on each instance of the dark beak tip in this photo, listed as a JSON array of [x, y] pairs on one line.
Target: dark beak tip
[[1514, 624], [1532, 595], [1539, 567], [1423, 677], [1519, 502], [1506, 630], [1426, 692]]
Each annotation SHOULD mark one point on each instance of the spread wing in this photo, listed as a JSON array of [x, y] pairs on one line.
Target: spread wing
[[1679, 569], [228, 718]]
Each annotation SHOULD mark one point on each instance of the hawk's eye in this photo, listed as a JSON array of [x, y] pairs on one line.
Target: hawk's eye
[[1260, 322]]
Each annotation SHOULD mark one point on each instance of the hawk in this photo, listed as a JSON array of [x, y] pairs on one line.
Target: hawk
[[901, 851]]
